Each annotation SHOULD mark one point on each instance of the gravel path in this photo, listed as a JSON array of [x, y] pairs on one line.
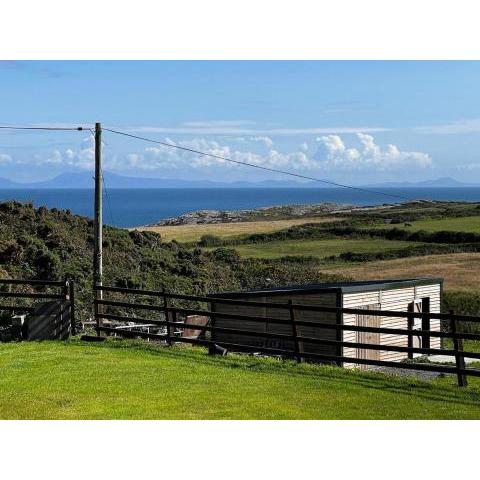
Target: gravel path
[[406, 372]]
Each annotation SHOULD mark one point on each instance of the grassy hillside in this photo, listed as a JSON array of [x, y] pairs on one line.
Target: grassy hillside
[[43, 243], [136, 380]]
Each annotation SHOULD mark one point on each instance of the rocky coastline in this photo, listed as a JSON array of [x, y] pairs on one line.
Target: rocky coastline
[[257, 214]]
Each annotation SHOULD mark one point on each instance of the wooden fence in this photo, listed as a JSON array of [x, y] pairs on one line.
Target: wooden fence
[[24, 295], [169, 312]]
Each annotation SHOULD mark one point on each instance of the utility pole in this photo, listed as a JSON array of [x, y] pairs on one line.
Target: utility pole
[[98, 222]]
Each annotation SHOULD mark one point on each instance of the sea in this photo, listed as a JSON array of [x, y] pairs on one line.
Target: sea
[[136, 207]]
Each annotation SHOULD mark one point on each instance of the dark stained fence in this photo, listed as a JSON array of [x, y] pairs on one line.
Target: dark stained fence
[[169, 312], [50, 304]]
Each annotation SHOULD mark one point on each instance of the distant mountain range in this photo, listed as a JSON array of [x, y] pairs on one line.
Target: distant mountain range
[[113, 180], [439, 182]]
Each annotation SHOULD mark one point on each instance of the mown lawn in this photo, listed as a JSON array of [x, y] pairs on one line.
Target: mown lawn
[[319, 248], [137, 380]]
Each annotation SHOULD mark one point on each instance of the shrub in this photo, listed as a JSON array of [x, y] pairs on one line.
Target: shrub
[[9, 251], [47, 264], [462, 303], [226, 255], [210, 241]]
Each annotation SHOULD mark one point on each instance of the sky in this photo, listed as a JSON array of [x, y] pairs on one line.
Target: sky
[[358, 122]]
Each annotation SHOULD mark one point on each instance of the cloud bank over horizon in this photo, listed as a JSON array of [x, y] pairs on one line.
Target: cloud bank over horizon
[[324, 155]]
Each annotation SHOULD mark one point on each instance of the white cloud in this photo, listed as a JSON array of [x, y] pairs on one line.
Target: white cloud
[[458, 127], [241, 130], [5, 158], [55, 157], [267, 141], [332, 156], [81, 158], [370, 156], [469, 166], [218, 123], [163, 157]]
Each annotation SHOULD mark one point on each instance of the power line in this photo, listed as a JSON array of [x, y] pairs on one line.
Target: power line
[[11, 127], [284, 172]]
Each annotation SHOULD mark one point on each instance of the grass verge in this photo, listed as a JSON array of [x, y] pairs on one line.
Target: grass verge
[[138, 380]]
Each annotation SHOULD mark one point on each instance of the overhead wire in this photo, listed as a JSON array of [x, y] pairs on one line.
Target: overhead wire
[[11, 127], [260, 167]]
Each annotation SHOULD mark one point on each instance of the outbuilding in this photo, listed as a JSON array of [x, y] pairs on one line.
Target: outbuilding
[[414, 294]]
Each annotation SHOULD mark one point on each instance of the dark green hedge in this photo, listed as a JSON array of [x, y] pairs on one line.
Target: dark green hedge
[[462, 303]]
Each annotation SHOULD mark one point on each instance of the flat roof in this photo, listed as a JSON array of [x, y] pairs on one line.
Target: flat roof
[[344, 287]]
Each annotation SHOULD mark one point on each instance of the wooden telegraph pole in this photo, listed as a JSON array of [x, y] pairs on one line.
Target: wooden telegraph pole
[[98, 223]]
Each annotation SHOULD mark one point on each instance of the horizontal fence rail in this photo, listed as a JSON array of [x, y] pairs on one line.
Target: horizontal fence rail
[[14, 281], [36, 292], [286, 306], [166, 319]]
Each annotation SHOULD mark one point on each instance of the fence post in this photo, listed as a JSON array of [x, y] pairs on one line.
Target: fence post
[[212, 350], [458, 348], [71, 296], [96, 312], [410, 323], [65, 287], [167, 318], [296, 344]]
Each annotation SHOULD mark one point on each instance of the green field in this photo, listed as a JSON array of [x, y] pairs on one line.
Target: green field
[[319, 248], [458, 224], [137, 380]]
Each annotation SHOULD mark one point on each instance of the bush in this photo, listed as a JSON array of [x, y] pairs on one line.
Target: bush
[[145, 239], [210, 241], [128, 282], [46, 264], [9, 251], [411, 251], [462, 303], [226, 255]]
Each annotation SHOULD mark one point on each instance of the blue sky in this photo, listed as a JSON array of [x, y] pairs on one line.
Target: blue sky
[[356, 122]]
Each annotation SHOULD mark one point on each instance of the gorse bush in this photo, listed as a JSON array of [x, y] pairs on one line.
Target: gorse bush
[[210, 241]]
